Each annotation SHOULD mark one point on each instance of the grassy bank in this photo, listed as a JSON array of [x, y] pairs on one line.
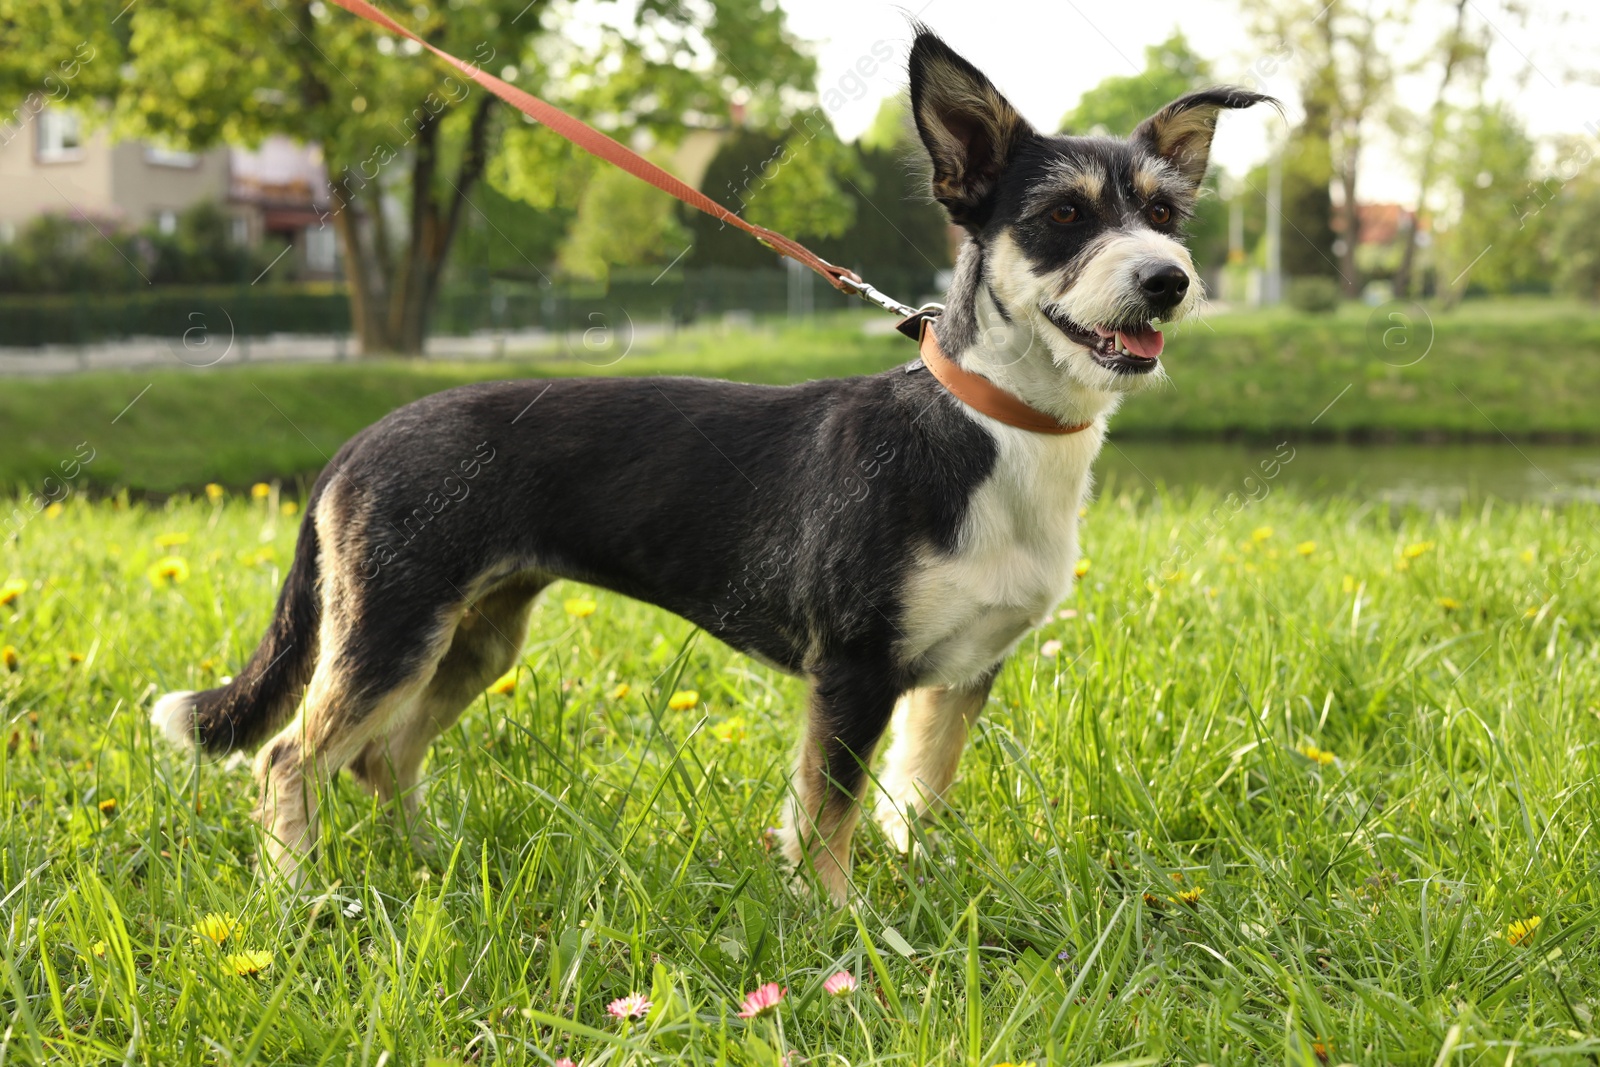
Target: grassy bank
[[1363, 743], [1527, 370]]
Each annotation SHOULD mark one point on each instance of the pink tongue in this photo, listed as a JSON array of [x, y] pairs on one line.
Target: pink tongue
[[1146, 342]]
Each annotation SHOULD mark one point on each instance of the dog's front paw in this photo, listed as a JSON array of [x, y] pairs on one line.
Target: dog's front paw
[[895, 822], [833, 877]]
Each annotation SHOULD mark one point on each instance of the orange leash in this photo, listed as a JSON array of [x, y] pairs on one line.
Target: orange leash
[[976, 392], [598, 144]]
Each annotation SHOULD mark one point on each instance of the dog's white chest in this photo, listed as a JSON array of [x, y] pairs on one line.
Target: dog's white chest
[[1013, 562]]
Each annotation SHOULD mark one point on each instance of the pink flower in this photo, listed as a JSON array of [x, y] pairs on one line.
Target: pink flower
[[840, 985], [760, 1001], [565, 1062], [632, 1006]]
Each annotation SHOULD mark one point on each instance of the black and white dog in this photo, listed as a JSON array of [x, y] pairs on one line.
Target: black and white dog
[[873, 534]]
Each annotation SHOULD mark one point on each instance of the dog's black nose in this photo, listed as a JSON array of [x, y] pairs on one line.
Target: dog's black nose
[[1164, 287]]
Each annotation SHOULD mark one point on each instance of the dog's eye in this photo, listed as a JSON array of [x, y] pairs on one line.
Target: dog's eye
[[1064, 214], [1160, 214]]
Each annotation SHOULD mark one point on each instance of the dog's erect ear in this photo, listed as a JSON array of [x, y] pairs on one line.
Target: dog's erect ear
[[967, 127], [1181, 132]]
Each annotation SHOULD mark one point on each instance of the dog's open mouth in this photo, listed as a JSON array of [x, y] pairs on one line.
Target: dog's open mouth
[[1128, 349]]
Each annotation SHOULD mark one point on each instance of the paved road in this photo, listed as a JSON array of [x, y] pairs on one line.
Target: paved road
[[209, 351]]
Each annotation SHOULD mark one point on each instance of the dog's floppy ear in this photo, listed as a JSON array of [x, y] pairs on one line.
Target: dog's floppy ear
[[1181, 132], [968, 128]]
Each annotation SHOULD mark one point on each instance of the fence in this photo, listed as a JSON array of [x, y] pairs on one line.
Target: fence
[[490, 305]]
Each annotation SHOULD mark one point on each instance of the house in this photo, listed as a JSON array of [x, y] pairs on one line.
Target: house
[[54, 165]]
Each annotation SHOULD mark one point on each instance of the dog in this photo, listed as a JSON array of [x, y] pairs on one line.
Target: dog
[[875, 535]]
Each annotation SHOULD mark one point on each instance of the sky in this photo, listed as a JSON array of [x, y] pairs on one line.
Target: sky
[[1044, 55]]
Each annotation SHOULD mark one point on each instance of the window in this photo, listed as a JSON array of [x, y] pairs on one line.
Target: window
[[320, 248], [239, 230], [169, 157], [60, 137], [167, 221]]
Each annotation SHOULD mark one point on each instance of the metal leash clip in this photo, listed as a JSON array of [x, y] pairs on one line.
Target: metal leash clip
[[873, 295]]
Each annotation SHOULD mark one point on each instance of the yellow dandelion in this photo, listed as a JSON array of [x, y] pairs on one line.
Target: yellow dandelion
[[1190, 897], [215, 492], [54, 510], [75, 657], [1527, 555], [579, 607], [1348, 585], [621, 691], [683, 699], [13, 588], [289, 507], [216, 927], [248, 963], [167, 569], [108, 806], [1082, 568], [1318, 755], [9, 657], [1417, 548], [1531, 612], [98, 948], [259, 556], [1260, 533], [729, 731], [1305, 548], [1449, 603], [506, 683], [172, 539], [1522, 930], [260, 491]]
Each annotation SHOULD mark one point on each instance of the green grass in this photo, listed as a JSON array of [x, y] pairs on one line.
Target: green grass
[[1528, 369], [594, 845]]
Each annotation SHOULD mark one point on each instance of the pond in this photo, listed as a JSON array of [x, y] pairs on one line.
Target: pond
[[1429, 476]]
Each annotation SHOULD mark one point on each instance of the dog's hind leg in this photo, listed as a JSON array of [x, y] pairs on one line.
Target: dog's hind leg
[[930, 730], [484, 646], [378, 646], [850, 705], [343, 709]]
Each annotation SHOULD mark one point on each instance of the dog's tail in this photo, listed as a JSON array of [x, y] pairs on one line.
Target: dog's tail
[[244, 712]]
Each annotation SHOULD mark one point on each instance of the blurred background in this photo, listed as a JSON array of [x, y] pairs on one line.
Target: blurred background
[[1409, 255]]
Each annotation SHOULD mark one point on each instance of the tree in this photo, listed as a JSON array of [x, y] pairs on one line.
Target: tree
[[898, 231], [1577, 243], [1497, 235], [621, 222], [1458, 49], [855, 205], [1347, 73], [406, 139], [796, 181]]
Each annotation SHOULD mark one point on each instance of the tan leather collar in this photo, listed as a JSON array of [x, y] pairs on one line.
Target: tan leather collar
[[980, 394]]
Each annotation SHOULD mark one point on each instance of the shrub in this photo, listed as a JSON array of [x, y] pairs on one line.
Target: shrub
[[56, 253], [1315, 296]]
